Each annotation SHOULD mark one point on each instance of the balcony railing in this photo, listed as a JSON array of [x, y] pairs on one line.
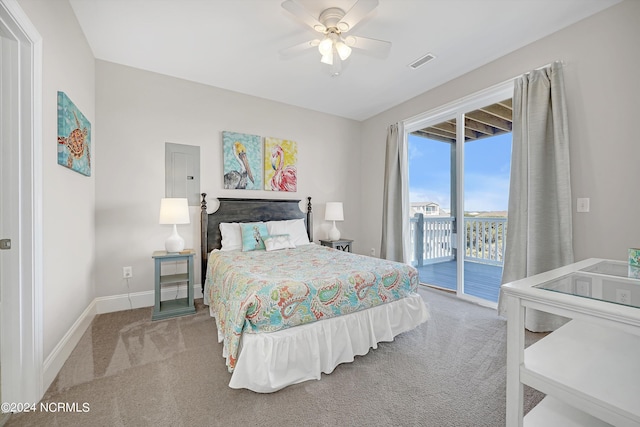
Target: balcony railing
[[433, 239], [485, 239]]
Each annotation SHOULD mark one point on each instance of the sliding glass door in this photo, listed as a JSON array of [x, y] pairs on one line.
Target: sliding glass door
[[432, 192], [459, 166], [486, 191]]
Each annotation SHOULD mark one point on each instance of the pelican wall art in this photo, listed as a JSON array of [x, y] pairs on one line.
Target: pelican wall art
[[242, 161], [280, 164], [74, 137]]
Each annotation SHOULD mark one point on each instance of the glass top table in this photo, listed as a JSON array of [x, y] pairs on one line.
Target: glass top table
[[609, 281]]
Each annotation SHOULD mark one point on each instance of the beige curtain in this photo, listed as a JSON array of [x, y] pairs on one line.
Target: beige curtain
[[395, 210], [539, 217]]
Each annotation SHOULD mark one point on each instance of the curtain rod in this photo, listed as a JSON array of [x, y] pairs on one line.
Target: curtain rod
[[561, 62], [492, 87], [535, 69]]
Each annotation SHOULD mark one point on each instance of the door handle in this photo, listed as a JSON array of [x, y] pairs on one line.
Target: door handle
[[5, 244]]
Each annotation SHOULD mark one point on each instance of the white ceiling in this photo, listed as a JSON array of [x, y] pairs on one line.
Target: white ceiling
[[234, 44]]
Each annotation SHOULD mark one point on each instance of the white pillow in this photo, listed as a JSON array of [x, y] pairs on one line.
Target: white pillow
[[295, 228], [276, 242], [231, 236]]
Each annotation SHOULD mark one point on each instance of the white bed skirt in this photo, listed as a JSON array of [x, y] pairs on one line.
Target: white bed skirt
[[268, 362]]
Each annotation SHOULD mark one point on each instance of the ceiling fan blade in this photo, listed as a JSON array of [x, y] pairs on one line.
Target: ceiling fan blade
[[379, 48], [356, 13], [299, 48], [303, 14]]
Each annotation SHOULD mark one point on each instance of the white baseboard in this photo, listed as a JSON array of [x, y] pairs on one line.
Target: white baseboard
[[53, 363], [142, 299]]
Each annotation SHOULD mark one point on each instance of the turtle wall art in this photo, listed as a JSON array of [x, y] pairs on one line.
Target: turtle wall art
[[74, 137]]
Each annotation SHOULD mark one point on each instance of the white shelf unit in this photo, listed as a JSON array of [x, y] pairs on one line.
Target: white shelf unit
[[589, 368]]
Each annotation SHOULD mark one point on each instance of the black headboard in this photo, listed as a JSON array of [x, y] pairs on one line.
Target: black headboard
[[245, 210]]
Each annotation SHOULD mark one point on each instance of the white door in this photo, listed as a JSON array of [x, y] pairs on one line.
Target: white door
[[8, 193], [20, 206]]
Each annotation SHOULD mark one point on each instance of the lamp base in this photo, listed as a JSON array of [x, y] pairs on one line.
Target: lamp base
[[174, 243], [334, 233]]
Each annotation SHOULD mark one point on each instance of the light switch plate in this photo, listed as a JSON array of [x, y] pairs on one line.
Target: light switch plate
[[583, 204]]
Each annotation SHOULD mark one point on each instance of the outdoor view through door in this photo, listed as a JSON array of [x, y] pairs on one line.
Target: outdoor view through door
[[439, 169]]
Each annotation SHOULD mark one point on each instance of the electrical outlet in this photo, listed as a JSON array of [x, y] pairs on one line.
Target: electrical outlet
[[623, 296], [127, 272], [373, 251]]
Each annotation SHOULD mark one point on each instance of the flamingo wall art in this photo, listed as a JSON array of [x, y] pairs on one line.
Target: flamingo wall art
[[280, 165], [242, 161]]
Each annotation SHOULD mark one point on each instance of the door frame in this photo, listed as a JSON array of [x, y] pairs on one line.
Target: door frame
[[457, 109], [22, 339]]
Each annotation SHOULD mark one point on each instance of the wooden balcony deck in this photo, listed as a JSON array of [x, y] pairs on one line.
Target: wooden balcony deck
[[481, 280]]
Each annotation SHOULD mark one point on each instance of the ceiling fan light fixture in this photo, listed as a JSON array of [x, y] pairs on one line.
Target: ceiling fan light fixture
[[326, 46], [334, 45], [327, 59], [336, 68], [343, 50]]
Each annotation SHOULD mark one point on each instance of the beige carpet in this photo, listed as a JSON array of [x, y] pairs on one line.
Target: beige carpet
[[130, 371]]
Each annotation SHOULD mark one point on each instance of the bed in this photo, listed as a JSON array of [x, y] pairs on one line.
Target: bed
[[291, 311]]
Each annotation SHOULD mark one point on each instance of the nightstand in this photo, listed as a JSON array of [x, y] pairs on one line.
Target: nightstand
[[342, 244], [178, 306]]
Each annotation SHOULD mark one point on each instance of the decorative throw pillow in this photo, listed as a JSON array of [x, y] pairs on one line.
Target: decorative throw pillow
[[253, 234], [280, 241]]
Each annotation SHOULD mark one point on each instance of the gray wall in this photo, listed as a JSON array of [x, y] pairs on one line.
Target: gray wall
[[138, 111], [68, 197], [602, 60]]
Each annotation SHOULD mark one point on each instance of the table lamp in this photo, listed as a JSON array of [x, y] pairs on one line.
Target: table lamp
[[333, 212], [174, 211]]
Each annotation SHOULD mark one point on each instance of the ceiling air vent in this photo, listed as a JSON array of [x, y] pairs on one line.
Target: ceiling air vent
[[421, 61]]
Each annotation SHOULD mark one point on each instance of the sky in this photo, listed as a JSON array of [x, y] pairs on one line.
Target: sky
[[487, 168]]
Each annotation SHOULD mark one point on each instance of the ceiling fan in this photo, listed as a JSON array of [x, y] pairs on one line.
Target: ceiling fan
[[333, 23]]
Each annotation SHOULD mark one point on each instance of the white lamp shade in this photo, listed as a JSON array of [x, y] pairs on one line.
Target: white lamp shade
[[174, 211], [333, 212]]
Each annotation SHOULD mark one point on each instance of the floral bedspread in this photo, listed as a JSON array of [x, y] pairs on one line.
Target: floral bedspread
[[260, 291]]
